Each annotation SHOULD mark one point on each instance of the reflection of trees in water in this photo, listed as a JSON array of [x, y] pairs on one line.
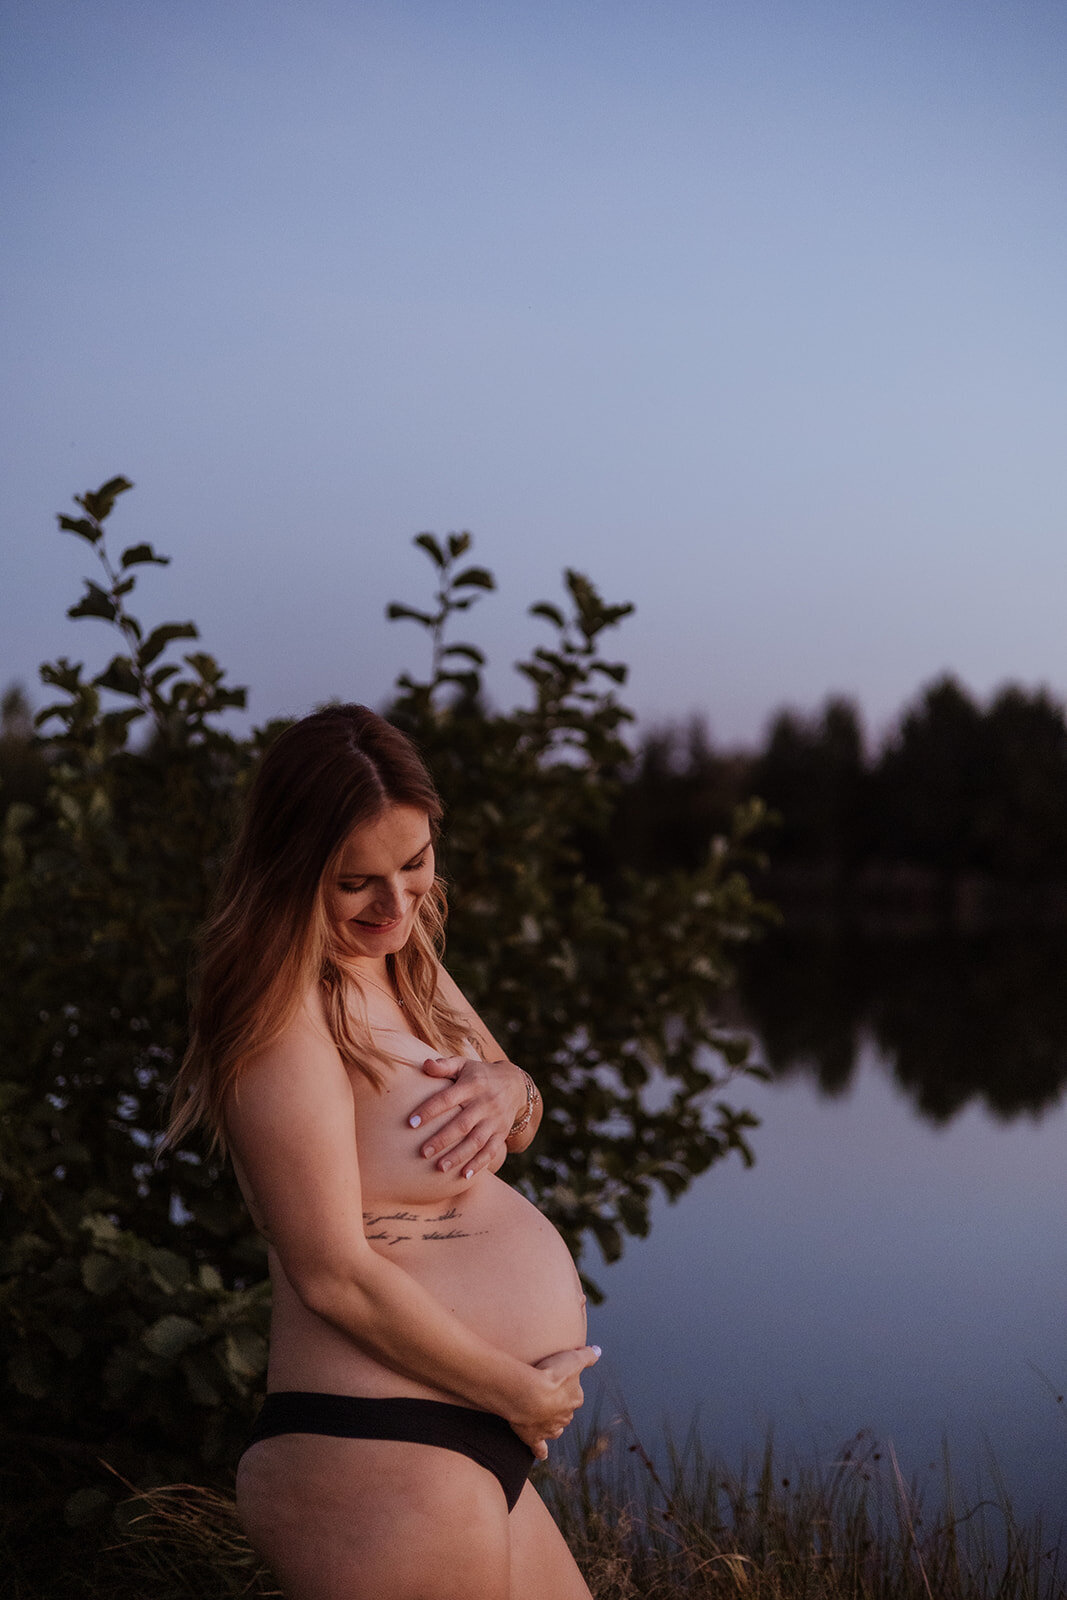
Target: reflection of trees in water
[[959, 1019]]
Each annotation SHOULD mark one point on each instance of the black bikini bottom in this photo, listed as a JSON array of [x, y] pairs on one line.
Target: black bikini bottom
[[481, 1435]]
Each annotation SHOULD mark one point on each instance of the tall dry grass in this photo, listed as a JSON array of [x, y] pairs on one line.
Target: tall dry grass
[[853, 1529]]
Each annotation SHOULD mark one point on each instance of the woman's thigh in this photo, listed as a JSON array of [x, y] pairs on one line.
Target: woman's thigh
[[369, 1519], [542, 1567]]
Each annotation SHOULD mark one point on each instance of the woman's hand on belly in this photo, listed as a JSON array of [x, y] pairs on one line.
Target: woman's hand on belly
[[486, 1099], [559, 1398]]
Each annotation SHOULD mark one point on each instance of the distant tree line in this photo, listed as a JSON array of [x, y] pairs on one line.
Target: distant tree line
[[958, 818]]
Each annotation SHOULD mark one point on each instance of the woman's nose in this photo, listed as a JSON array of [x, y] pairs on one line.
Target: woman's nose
[[389, 901]]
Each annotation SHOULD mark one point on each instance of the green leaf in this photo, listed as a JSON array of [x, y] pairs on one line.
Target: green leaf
[[206, 667], [99, 502], [232, 697], [102, 1228], [100, 1274], [467, 681], [160, 637], [170, 1335], [138, 554], [116, 722], [467, 650], [607, 1237], [394, 612], [427, 542], [62, 674], [119, 676], [246, 1353], [82, 527], [617, 671], [734, 1048], [552, 613], [169, 1270], [199, 1370], [474, 577], [95, 602], [675, 1183], [633, 1213]]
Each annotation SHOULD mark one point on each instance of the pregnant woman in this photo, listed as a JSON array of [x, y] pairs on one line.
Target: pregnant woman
[[428, 1324]]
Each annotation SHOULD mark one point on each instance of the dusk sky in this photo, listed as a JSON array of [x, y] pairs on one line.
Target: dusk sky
[[754, 311]]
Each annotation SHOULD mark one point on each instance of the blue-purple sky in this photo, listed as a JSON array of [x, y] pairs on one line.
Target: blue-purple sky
[[753, 310]]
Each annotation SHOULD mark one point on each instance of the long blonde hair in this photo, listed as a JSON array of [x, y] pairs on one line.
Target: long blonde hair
[[268, 939]]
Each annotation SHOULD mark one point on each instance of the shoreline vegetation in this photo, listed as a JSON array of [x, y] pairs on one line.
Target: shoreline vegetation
[[853, 1528]]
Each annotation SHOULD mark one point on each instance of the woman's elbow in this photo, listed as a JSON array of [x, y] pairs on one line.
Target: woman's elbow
[[334, 1290]]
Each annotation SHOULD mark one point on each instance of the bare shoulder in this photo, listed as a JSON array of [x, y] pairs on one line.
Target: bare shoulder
[[299, 1075]]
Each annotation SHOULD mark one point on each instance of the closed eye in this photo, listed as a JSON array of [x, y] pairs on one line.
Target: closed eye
[[357, 885]]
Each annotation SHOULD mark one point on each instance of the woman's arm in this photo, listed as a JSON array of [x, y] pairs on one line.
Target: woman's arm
[[291, 1121], [487, 1098]]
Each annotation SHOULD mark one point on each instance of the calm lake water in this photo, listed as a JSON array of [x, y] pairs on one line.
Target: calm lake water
[[878, 1269]]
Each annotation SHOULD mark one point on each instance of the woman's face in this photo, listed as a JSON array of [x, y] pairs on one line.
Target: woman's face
[[385, 869]]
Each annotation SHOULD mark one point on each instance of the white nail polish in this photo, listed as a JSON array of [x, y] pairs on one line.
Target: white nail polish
[[469, 1172], [415, 1122]]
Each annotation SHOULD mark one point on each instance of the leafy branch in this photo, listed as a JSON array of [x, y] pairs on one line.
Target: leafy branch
[[180, 715], [452, 595]]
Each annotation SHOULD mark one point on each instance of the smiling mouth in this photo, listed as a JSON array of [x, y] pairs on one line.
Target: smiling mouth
[[377, 927]]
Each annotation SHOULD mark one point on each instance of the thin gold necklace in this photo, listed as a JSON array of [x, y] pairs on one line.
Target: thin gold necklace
[[390, 994]]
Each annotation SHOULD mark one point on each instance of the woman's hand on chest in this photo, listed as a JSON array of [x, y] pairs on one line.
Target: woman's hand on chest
[[485, 1099]]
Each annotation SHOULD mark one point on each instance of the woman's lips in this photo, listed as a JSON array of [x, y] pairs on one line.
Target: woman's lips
[[377, 927]]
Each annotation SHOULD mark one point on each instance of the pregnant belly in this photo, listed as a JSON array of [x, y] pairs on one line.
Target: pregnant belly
[[485, 1252], [494, 1261]]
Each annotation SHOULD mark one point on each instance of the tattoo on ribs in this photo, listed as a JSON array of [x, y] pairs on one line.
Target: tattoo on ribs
[[383, 1234]]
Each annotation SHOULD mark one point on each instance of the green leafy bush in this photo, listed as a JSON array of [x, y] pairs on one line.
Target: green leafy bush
[[135, 1307]]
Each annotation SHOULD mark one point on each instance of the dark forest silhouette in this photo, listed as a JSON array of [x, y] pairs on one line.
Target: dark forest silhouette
[[958, 820]]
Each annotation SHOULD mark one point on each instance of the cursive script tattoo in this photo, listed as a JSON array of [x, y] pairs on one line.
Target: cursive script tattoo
[[391, 1235]]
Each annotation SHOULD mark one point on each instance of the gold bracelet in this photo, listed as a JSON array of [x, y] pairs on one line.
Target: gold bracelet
[[532, 1097]]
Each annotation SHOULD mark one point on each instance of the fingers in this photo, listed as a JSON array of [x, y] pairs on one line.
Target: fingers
[[571, 1361], [445, 1099], [467, 1141], [443, 1066], [565, 1396], [534, 1439], [484, 1148], [475, 1136]]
